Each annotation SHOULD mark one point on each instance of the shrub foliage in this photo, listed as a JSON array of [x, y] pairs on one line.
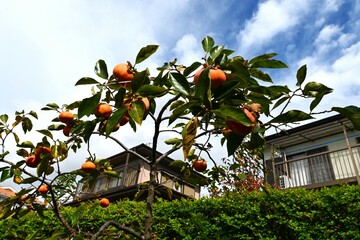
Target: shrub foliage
[[329, 213]]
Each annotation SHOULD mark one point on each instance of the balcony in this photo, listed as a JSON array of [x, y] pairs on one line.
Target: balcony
[[318, 170]]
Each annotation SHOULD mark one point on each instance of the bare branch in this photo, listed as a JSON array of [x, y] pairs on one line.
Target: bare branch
[[118, 226]]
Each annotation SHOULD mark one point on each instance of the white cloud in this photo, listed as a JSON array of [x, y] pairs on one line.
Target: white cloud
[[328, 33], [271, 18], [332, 5], [188, 50]]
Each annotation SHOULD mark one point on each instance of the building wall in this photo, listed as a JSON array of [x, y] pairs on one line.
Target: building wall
[[144, 174], [333, 166]]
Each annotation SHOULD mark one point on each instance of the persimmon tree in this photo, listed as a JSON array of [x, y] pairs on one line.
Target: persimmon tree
[[229, 99]]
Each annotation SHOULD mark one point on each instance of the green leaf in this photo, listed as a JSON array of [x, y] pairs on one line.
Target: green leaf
[[180, 83], [221, 60], [280, 101], [22, 152], [262, 57], [315, 102], [151, 91], [235, 114], [58, 234], [233, 142], [16, 137], [88, 105], [26, 124], [86, 80], [203, 88], [291, 116], [260, 75], [350, 112], [55, 127], [207, 43], [119, 97], [33, 114], [177, 163], [4, 118], [216, 51], [173, 141], [314, 89], [6, 174], [101, 69], [52, 105], [73, 105], [277, 91], [137, 112], [115, 119], [180, 111], [140, 79], [88, 130], [145, 52], [176, 104], [46, 133], [41, 168], [301, 75], [113, 174], [26, 144], [269, 64], [191, 68]]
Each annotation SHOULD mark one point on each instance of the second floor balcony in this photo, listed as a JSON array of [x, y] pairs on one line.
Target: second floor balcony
[[322, 169]]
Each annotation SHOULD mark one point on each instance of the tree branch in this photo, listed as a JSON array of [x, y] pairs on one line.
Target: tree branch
[[118, 226]]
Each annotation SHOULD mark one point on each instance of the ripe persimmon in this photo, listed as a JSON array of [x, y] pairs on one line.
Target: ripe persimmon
[[217, 77], [103, 110], [124, 119], [66, 117], [31, 161], [240, 128], [199, 165], [40, 151], [66, 130], [104, 202], [88, 167], [123, 74], [43, 189]]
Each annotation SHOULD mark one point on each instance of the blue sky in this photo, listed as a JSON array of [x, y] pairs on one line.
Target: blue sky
[[46, 46]]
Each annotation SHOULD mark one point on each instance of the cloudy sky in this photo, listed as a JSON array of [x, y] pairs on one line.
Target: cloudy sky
[[46, 46]]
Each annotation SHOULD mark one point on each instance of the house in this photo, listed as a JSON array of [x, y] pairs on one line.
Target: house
[[322, 153], [6, 192], [135, 172]]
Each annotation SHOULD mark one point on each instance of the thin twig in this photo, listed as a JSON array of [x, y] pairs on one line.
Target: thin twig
[[119, 226]]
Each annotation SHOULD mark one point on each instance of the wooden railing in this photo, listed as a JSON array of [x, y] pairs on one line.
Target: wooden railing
[[319, 170]]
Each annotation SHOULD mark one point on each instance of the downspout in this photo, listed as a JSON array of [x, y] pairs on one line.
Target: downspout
[[351, 154]]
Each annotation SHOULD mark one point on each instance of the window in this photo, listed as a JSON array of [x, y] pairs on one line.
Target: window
[[310, 170], [101, 184], [114, 182]]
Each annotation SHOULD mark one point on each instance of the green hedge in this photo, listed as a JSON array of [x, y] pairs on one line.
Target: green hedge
[[329, 213]]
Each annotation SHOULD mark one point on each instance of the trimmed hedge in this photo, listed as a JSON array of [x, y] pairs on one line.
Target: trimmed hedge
[[329, 213]]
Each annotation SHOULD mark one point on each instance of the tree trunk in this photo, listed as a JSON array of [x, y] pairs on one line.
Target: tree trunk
[[150, 202]]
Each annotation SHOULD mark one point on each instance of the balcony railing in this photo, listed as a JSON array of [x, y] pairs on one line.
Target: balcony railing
[[319, 170]]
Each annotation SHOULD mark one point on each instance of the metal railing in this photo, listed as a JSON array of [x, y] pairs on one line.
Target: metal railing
[[318, 170]]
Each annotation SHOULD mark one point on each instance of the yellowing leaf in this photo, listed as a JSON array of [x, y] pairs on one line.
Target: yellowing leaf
[[189, 134]]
